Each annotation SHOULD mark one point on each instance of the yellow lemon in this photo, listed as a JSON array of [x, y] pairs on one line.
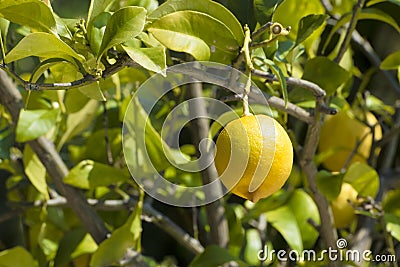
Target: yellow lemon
[[339, 136], [343, 211], [254, 156]]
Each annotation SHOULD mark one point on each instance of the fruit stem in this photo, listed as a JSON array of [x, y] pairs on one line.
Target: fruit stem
[[246, 51], [246, 110]]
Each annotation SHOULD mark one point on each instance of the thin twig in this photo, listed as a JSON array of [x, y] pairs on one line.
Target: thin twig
[[352, 26]]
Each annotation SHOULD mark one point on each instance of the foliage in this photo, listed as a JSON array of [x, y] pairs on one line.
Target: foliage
[[77, 77]]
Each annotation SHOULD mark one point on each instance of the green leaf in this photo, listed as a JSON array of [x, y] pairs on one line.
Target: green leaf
[[366, 13], [253, 246], [264, 9], [153, 59], [149, 5], [113, 249], [284, 221], [35, 123], [377, 14], [44, 45], [124, 25], [281, 77], [289, 13], [393, 225], [93, 91], [304, 208], [326, 73], [329, 184], [8, 258], [198, 34], [391, 202], [89, 174], [35, 171], [211, 8], [137, 124], [391, 62], [363, 178], [214, 256], [75, 243], [308, 25], [373, 2], [32, 13], [79, 121], [96, 7]]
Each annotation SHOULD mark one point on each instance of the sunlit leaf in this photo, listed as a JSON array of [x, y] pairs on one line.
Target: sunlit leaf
[[308, 25], [32, 13], [35, 123], [89, 175], [79, 121], [393, 225], [74, 243], [363, 178], [305, 209], [124, 25], [35, 171], [373, 2], [8, 258], [44, 45], [96, 7], [126, 237], [289, 13], [214, 256], [324, 72], [153, 59], [211, 8], [284, 221], [149, 5], [195, 33], [329, 184], [253, 246], [391, 62], [93, 91]]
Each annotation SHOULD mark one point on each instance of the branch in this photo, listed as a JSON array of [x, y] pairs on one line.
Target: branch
[[122, 62], [314, 88], [327, 229], [352, 26], [12, 100], [156, 217], [215, 210]]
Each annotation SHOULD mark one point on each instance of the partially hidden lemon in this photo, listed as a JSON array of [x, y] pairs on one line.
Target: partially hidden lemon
[[339, 136], [343, 211], [254, 156]]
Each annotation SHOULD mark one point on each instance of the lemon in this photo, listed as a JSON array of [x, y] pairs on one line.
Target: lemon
[[254, 156], [339, 136], [343, 211]]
